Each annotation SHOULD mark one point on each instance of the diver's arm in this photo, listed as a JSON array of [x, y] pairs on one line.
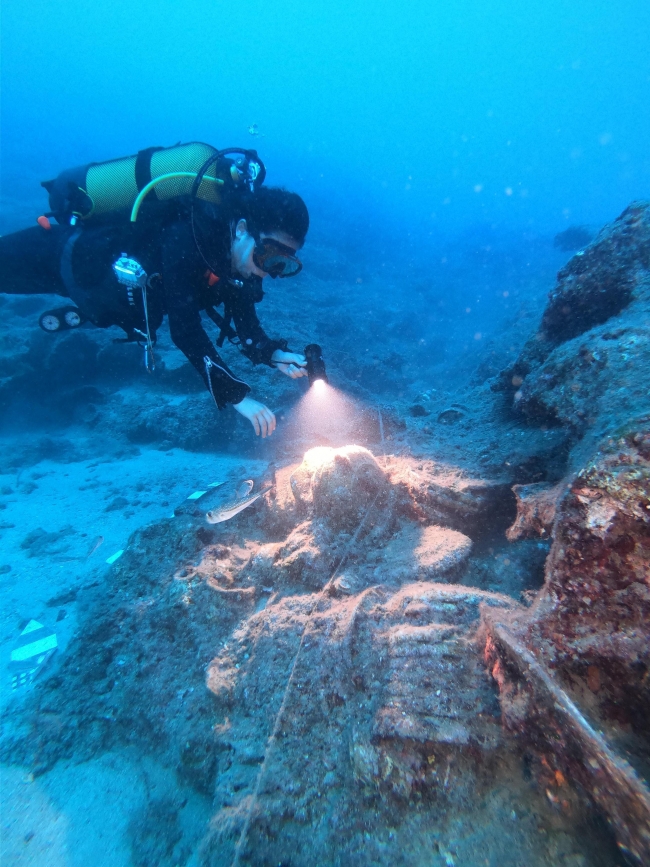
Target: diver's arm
[[259, 416], [180, 274], [189, 336], [254, 342]]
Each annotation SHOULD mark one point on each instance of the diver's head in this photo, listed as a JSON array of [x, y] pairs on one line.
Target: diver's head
[[270, 228]]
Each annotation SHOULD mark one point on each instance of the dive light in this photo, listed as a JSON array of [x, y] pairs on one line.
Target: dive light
[[315, 363]]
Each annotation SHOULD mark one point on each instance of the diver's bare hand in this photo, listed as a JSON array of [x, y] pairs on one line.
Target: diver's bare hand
[[292, 364], [259, 416]]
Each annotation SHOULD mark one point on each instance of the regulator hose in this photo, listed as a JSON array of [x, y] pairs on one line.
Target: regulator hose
[[146, 189]]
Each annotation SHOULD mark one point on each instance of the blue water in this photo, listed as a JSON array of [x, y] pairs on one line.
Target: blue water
[[440, 148], [400, 111]]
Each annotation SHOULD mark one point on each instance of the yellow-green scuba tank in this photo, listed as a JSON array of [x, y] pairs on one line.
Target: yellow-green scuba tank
[[119, 186]]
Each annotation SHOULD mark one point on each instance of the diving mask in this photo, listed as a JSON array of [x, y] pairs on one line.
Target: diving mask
[[275, 259]]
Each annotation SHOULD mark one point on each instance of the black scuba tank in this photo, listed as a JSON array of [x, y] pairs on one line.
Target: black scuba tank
[[112, 187]]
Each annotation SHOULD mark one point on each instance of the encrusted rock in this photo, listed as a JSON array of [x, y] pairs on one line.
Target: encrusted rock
[[586, 367], [575, 758], [597, 591], [582, 652], [536, 505], [437, 493], [597, 284], [599, 281], [596, 381], [422, 553]]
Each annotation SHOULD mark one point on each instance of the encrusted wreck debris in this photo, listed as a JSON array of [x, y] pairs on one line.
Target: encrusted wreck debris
[[334, 704], [348, 705], [536, 506]]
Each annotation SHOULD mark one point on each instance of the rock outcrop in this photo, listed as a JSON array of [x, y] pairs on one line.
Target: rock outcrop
[[573, 670], [586, 367], [597, 284]]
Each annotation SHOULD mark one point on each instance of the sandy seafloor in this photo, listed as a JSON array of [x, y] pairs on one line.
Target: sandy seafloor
[[78, 814], [52, 510], [80, 502]]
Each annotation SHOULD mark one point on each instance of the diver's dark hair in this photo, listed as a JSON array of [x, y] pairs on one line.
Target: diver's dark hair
[[272, 209]]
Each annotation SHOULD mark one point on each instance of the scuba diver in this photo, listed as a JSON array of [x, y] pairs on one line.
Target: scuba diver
[[170, 231]]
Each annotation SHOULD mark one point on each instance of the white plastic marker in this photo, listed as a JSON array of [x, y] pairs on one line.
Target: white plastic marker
[[34, 647], [116, 556], [198, 494]]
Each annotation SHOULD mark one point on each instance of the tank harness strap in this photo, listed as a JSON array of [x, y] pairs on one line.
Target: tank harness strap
[[223, 323], [143, 166], [75, 291]]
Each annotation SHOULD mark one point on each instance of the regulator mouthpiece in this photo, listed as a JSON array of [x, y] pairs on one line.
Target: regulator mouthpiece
[[315, 364]]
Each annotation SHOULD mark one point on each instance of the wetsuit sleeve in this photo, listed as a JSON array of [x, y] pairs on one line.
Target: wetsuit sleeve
[[182, 274], [254, 343]]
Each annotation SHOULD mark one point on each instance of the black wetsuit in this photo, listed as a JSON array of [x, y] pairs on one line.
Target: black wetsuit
[[77, 263]]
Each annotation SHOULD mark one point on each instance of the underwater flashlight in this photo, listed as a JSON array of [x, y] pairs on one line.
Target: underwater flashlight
[[315, 363]]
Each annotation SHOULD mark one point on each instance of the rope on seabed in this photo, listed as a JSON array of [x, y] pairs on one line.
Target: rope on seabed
[[383, 441], [278, 719]]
